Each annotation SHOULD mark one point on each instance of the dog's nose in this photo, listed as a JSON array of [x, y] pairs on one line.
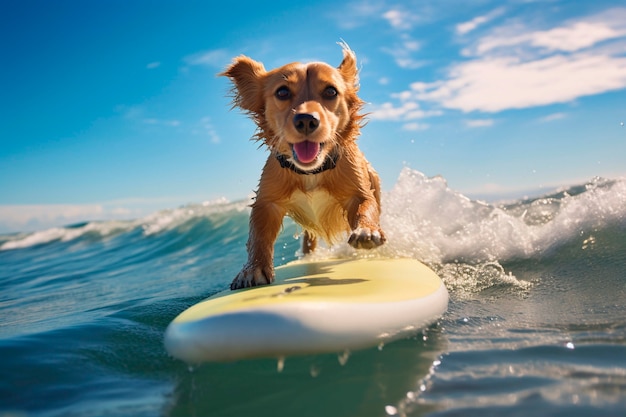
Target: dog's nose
[[306, 123]]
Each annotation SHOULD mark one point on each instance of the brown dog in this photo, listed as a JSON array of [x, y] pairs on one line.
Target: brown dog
[[308, 116]]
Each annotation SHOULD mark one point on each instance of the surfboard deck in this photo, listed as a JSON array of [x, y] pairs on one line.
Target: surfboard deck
[[312, 307]]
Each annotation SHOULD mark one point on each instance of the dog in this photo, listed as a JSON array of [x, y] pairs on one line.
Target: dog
[[308, 116]]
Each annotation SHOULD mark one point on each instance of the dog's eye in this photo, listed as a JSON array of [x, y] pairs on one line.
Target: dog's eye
[[283, 93], [330, 93]]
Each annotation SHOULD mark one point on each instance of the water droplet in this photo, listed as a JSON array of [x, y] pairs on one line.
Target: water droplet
[[343, 358], [391, 410], [315, 371], [589, 242], [191, 368], [381, 346], [569, 345], [281, 364]]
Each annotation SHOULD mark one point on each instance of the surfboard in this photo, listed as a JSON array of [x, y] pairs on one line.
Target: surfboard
[[312, 307]]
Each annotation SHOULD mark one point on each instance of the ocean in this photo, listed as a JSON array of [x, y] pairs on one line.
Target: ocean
[[536, 323]]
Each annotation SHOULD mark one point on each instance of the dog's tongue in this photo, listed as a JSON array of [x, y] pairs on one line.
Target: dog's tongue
[[306, 151]]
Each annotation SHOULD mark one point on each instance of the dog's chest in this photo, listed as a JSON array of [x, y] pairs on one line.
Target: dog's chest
[[315, 210]]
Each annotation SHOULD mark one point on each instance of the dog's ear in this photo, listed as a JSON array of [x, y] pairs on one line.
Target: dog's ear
[[348, 68], [246, 75]]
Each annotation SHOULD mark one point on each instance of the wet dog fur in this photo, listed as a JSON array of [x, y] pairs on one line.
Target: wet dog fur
[[308, 116]]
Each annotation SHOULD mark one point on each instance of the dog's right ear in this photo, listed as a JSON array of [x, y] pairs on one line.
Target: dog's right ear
[[246, 75], [348, 68]]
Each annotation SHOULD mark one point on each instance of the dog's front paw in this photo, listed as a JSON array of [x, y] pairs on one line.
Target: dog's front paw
[[251, 276], [366, 238]]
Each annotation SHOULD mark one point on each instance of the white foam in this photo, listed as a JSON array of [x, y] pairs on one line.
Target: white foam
[[466, 241], [170, 219], [425, 219], [153, 224], [66, 234]]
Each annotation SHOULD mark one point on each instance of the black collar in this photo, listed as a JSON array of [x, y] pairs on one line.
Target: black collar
[[329, 163]]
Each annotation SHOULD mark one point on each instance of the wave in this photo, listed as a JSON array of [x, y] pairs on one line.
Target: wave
[[432, 222], [153, 224], [467, 242], [423, 218]]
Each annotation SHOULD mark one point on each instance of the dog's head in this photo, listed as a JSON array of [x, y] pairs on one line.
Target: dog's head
[[305, 112]]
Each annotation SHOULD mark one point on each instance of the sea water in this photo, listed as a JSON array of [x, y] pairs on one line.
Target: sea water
[[536, 323]]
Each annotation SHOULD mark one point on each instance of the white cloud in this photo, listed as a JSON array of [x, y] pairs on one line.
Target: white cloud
[[218, 58], [552, 117], [578, 36], [415, 126], [409, 110], [496, 84], [394, 17], [355, 14], [479, 123], [138, 114], [515, 67], [570, 38], [463, 28], [400, 19], [466, 27], [409, 63], [153, 65], [162, 122], [387, 111], [130, 112], [402, 52], [205, 127]]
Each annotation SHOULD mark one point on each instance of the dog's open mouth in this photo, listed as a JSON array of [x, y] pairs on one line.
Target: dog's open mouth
[[306, 152]]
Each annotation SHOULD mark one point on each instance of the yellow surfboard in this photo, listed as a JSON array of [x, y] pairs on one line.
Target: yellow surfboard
[[312, 307]]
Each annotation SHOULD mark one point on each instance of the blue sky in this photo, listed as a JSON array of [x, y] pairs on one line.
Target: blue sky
[[112, 109]]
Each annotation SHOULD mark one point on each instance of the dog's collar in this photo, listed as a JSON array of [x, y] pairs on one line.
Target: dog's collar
[[329, 163]]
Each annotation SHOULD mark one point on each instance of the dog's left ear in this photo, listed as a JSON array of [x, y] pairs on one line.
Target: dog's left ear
[[246, 75], [348, 68]]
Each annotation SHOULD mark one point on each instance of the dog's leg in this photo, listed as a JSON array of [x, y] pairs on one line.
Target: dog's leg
[[309, 243], [366, 231], [364, 217], [265, 223]]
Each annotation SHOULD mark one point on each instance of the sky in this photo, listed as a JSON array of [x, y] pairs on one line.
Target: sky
[[113, 109]]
